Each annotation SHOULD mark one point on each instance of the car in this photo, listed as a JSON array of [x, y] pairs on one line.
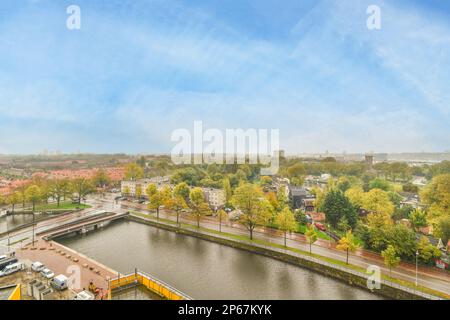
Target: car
[[47, 273], [3, 257], [6, 262], [320, 226], [84, 295], [9, 269], [37, 266]]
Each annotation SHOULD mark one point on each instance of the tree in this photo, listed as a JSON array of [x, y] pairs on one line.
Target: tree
[[285, 220], [138, 191], [343, 224], [344, 184], [198, 204], [418, 219], [255, 208], [391, 260], [377, 200], [347, 243], [336, 205], [427, 252], [311, 236], [133, 171], [126, 191], [282, 197], [223, 216], [378, 183], [151, 190], [266, 181], [101, 180], [13, 199], [182, 190], [176, 202], [59, 188], [437, 195], [156, 200], [33, 195], [227, 189], [443, 228], [81, 187]]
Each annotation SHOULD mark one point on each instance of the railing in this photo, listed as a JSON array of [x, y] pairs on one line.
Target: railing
[[155, 285]]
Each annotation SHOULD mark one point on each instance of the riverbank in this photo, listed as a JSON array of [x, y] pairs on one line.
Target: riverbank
[[348, 274]]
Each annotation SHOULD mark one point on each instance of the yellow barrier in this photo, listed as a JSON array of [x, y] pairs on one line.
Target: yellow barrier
[[16, 294], [150, 283]]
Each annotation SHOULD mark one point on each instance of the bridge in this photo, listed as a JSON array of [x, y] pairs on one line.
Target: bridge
[[82, 225]]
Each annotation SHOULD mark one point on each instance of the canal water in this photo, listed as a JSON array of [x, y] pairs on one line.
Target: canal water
[[16, 220], [203, 269]]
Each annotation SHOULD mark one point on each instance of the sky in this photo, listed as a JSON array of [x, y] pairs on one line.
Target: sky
[[137, 70]]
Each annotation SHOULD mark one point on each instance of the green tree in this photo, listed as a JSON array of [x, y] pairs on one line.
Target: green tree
[[377, 200], [13, 199], [227, 189], [138, 191], [255, 208], [81, 187], [336, 205], [33, 195], [418, 219], [285, 220], [182, 190], [347, 243], [442, 227], [391, 260], [198, 204], [311, 236], [133, 171], [222, 216], [59, 189], [151, 190], [156, 200], [176, 202], [427, 252], [437, 195], [378, 183]]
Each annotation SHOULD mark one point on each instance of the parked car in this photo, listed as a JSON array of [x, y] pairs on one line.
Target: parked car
[[7, 262], [3, 257], [59, 282], [37, 266], [320, 226], [9, 269], [84, 295], [47, 273]]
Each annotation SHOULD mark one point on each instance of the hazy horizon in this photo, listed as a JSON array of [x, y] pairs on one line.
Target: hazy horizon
[[138, 70]]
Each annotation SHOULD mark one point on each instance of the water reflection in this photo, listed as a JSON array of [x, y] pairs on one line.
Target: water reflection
[[206, 270]]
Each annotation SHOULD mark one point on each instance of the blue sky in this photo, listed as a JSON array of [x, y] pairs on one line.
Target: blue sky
[[137, 70]]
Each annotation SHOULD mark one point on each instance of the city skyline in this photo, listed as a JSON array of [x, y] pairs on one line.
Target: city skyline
[[137, 70]]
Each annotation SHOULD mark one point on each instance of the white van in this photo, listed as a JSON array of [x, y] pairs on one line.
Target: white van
[[84, 295], [37, 266], [12, 268], [60, 282]]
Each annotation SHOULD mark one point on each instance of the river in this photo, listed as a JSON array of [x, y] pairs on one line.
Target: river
[[203, 269]]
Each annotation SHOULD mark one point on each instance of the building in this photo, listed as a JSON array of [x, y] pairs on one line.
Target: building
[[216, 198], [297, 195], [128, 187]]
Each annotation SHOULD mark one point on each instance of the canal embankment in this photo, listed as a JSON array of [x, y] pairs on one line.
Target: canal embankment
[[345, 274]]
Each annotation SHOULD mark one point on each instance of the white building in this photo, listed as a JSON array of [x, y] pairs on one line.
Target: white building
[[215, 197], [131, 185]]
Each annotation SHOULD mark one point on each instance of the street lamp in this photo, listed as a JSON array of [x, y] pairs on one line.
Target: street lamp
[[417, 257]]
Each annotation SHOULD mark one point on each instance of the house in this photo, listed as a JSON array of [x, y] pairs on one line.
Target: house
[[308, 204], [297, 195], [215, 197], [128, 187]]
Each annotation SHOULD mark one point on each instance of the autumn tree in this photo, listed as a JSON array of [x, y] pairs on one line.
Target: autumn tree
[[311, 236], [347, 243], [81, 187], [391, 260], [255, 208], [156, 200], [33, 195], [176, 202], [133, 171], [198, 204], [59, 189], [222, 216], [285, 220], [13, 199]]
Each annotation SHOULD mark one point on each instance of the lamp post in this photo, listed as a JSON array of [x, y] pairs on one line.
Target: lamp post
[[417, 257]]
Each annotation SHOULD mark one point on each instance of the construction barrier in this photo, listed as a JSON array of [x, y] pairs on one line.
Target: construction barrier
[[16, 294], [155, 285]]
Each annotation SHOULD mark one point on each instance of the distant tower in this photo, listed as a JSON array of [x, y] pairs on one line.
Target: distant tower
[[369, 161]]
